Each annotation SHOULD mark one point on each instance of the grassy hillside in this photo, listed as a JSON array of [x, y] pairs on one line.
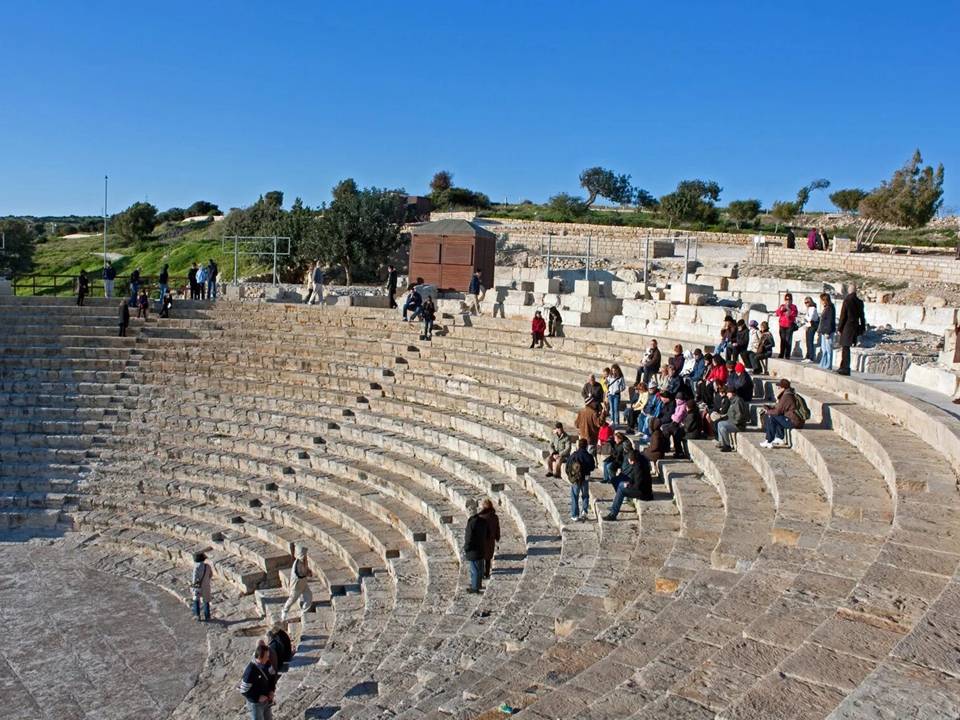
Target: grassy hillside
[[65, 257]]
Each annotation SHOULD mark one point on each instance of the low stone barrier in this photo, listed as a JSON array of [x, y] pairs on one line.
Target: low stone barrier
[[915, 268]]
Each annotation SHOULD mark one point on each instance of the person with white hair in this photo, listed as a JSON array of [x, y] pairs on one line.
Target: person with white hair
[[300, 574]]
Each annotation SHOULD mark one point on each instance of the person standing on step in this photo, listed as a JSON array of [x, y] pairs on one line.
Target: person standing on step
[[134, 287], [200, 586], [192, 280], [781, 417], [578, 469], [592, 390], [428, 314], [554, 322], [634, 482], [753, 349], [826, 327], [811, 321], [475, 292], [300, 574], [733, 421], [316, 287], [166, 302], [212, 272], [489, 514], [787, 320], [202, 282], [538, 329], [392, 286], [258, 685], [588, 424], [109, 276], [164, 281], [124, 318], [558, 450], [853, 324], [280, 645], [791, 239], [143, 304], [83, 287], [651, 363], [475, 545], [615, 387], [766, 347]]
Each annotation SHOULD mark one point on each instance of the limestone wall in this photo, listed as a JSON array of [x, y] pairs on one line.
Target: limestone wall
[[914, 268]]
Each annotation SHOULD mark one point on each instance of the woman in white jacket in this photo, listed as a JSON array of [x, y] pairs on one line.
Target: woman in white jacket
[[615, 386]]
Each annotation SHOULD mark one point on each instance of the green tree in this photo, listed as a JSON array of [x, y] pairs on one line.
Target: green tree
[[136, 223], [600, 182], [20, 238], [441, 181], [456, 197], [202, 207], [644, 200], [848, 200], [783, 211], [360, 229], [803, 194], [174, 214], [743, 211], [274, 198], [564, 207], [692, 201], [910, 198]]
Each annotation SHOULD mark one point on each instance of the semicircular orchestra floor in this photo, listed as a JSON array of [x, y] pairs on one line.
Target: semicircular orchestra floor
[[87, 644]]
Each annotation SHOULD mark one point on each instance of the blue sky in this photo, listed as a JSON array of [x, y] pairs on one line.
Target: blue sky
[[223, 101]]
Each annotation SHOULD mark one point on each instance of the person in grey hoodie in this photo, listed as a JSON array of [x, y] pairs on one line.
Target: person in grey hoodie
[[200, 586]]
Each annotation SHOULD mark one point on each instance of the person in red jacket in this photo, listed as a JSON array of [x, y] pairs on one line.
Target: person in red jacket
[[537, 329], [787, 315]]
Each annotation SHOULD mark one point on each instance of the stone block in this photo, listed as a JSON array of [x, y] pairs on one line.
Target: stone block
[[934, 301], [586, 288], [546, 285], [664, 310], [933, 377]]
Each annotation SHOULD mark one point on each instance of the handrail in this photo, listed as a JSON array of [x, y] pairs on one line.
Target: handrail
[[65, 285]]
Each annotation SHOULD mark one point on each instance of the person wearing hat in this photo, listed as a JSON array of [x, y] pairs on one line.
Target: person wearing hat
[[741, 382], [588, 423], [753, 348], [300, 574], [475, 537], [781, 417], [281, 648], [200, 586]]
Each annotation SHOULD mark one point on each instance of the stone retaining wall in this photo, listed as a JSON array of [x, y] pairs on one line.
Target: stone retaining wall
[[888, 267]]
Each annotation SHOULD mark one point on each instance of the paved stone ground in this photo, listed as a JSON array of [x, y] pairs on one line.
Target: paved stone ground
[[85, 644]]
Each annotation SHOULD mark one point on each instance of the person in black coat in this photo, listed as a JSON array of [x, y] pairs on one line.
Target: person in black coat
[[124, 317], [392, 286], [853, 323], [633, 482], [475, 545], [83, 287]]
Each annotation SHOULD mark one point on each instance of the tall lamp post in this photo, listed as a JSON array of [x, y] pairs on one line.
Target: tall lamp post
[[105, 178]]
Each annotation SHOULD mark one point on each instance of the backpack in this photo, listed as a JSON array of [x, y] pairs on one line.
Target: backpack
[[575, 472], [803, 410]]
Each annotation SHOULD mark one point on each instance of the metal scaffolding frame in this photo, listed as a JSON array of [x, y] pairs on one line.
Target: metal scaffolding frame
[[552, 255], [257, 241]]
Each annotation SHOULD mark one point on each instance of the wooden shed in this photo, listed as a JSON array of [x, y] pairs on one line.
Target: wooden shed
[[445, 253]]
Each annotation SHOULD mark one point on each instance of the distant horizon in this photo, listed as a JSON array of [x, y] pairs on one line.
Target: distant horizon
[[514, 100]]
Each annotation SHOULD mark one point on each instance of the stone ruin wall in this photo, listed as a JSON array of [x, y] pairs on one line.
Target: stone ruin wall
[[912, 268]]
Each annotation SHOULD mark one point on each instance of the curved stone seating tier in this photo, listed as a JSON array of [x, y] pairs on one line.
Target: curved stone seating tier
[[815, 580]]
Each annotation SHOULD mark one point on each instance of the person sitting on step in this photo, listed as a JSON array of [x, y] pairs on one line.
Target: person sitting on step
[[412, 304], [614, 463], [733, 421], [633, 482], [558, 450], [781, 417], [638, 400], [659, 445]]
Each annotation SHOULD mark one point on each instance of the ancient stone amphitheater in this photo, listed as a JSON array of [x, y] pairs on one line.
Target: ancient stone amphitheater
[[810, 582]]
